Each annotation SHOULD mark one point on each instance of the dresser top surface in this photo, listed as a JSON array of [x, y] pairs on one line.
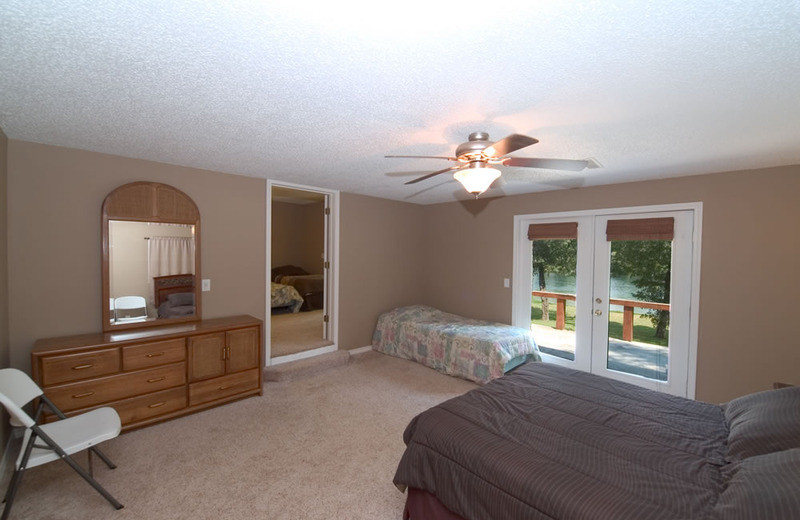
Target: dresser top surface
[[99, 339]]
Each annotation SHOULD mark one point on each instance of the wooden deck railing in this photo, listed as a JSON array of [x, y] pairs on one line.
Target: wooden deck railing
[[627, 313]]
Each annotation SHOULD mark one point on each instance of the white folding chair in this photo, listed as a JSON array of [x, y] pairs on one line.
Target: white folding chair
[[59, 439], [130, 308]]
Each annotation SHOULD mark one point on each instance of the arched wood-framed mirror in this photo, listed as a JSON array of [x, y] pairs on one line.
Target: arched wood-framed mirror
[[151, 257]]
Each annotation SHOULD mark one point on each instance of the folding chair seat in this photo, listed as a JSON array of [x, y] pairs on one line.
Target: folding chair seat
[[43, 443]]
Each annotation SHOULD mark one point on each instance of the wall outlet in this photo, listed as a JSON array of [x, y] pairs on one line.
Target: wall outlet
[[206, 284]]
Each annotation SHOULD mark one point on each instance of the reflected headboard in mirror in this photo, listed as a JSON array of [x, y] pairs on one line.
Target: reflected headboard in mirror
[[151, 257]]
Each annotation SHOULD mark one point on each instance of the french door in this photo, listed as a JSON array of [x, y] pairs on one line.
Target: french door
[[611, 292]]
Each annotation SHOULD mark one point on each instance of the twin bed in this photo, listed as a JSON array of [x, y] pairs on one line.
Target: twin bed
[[548, 442], [471, 349], [294, 290]]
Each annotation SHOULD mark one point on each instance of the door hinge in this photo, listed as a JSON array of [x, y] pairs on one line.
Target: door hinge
[[325, 318], [327, 211], [327, 265]]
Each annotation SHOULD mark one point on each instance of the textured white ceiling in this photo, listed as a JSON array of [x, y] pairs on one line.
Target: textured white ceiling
[[317, 93]]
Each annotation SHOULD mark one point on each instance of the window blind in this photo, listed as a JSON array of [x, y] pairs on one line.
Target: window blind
[[556, 230], [641, 229]]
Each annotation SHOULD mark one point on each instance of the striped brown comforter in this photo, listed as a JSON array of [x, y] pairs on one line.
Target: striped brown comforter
[[546, 442]]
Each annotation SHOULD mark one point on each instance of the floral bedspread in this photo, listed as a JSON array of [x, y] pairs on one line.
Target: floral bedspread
[[286, 296], [472, 349]]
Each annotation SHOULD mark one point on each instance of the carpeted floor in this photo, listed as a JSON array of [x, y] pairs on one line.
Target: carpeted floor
[[322, 447], [296, 332]]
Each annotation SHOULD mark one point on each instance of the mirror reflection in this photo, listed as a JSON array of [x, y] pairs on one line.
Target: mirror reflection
[[151, 271]]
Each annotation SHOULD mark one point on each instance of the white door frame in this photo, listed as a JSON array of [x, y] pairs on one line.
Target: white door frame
[[584, 272], [520, 293], [331, 304], [680, 302]]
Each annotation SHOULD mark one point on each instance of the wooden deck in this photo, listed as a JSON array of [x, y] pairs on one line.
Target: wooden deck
[[631, 357]]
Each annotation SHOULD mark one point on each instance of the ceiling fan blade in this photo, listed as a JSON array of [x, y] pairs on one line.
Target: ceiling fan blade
[[548, 164], [434, 173], [509, 144], [420, 157]]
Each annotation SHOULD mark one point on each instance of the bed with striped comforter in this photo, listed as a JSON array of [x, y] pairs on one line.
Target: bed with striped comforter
[[547, 442]]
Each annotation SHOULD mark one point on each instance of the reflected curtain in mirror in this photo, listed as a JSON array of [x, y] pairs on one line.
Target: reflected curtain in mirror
[[168, 256]]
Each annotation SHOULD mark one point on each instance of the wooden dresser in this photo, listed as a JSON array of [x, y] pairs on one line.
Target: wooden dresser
[[154, 374]]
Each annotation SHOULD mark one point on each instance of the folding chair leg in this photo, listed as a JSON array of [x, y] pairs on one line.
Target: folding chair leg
[[88, 478], [16, 478], [77, 467], [103, 457], [11, 493]]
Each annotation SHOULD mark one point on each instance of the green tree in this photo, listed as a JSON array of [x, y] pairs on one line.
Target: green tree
[[553, 256], [648, 263]]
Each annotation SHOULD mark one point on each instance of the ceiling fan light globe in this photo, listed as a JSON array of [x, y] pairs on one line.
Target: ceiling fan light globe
[[476, 180]]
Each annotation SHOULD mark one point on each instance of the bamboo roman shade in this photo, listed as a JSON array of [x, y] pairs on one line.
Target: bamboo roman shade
[[554, 231], [641, 229]]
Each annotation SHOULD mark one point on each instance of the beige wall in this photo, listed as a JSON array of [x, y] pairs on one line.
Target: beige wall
[[313, 247], [750, 251], [4, 350], [298, 233], [381, 261], [54, 238], [54, 244], [453, 256], [285, 223]]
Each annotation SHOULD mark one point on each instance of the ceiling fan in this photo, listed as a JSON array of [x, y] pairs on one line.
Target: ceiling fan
[[478, 155]]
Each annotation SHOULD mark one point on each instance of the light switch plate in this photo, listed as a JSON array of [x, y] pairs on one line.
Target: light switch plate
[[506, 283], [206, 284]]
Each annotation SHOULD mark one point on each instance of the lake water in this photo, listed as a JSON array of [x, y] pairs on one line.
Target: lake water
[[621, 288]]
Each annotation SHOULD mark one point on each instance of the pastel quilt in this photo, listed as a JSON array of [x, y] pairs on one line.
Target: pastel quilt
[[472, 349], [286, 296]]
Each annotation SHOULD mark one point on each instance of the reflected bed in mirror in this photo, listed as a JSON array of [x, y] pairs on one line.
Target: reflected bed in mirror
[[150, 257]]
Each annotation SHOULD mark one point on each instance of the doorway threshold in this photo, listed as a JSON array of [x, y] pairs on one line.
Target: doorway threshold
[[297, 369]]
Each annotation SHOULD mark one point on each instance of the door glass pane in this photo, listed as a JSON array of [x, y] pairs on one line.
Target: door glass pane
[[553, 292], [639, 299]]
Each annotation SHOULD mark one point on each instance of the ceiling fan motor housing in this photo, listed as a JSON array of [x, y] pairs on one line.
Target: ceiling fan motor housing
[[478, 142]]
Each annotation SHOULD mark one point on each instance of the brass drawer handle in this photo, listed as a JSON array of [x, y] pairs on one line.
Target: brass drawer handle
[[85, 394], [156, 379], [155, 355], [81, 367], [156, 405]]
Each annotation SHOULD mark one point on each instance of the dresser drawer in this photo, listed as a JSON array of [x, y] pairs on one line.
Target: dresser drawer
[[150, 405], [112, 388], [135, 357], [74, 367], [221, 387]]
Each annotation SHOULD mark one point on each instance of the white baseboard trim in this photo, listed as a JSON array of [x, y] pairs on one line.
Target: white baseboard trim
[[302, 355], [360, 350]]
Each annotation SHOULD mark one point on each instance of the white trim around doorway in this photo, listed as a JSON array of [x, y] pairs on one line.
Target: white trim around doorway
[[521, 315], [332, 289]]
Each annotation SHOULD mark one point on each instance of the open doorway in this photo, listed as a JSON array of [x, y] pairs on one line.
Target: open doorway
[[301, 243]]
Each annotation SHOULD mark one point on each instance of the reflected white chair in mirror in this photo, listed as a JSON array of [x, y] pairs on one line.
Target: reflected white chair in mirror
[[43, 443], [130, 308]]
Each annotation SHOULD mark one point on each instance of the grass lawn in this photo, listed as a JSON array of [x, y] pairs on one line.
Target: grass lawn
[[643, 328]]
